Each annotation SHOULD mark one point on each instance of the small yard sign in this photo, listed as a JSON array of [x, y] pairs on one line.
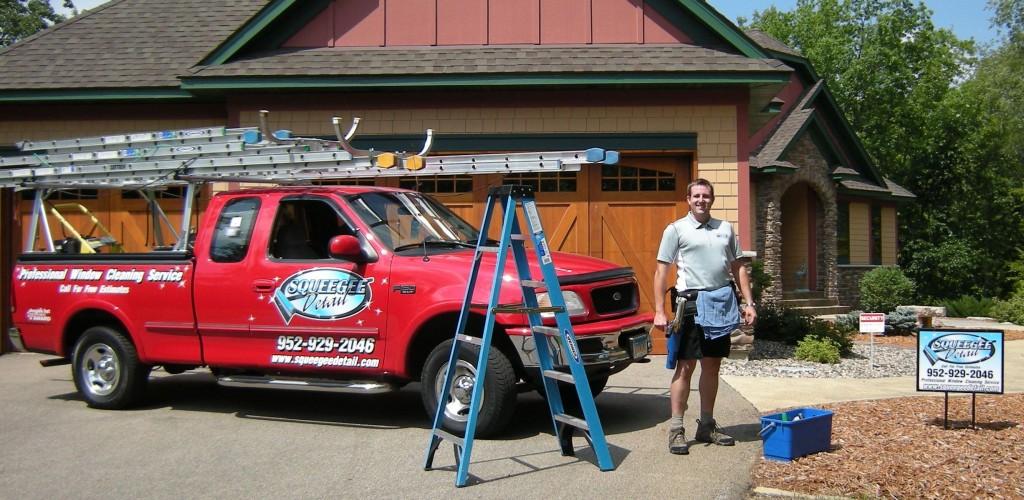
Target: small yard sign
[[872, 323]]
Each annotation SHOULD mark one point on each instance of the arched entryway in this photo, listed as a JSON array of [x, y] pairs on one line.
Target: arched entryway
[[803, 263]]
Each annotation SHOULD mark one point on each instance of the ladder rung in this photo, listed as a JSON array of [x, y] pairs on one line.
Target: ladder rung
[[453, 438], [518, 237], [533, 283], [467, 338], [557, 375], [489, 249], [578, 423], [550, 331]]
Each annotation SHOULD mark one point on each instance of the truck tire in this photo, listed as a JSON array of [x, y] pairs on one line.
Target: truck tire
[[499, 396], [106, 369]]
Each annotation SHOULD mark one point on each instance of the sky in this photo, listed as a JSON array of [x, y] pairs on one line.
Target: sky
[[967, 18]]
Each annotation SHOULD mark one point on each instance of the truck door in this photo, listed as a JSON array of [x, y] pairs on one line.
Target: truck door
[[313, 312]]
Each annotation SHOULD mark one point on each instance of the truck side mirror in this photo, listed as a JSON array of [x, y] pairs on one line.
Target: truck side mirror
[[346, 247]]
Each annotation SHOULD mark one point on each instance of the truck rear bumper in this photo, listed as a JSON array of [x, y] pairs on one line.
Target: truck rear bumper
[[610, 351], [15, 335]]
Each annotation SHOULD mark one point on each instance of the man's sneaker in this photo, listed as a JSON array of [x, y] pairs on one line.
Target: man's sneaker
[[710, 432], [677, 444]]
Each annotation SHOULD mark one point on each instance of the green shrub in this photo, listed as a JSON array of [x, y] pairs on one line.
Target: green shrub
[[759, 280], [1011, 310], [829, 331], [966, 305], [900, 322], [781, 325], [884, 288], [849, 322], [818, 350]]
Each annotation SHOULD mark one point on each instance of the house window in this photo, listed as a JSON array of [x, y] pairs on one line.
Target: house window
[[170, 193], [438, 184], [618, 179], [346, 182], [545, 182], [876, 234], [64, 194], [843, 233]]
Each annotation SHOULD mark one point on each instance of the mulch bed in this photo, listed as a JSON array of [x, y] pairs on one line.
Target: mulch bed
[[910, 341], [897, 448]]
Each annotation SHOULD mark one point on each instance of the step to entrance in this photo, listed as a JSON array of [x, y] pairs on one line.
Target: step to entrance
[[820, 310]]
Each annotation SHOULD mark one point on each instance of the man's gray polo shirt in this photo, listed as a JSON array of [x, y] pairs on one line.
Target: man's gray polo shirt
[[702, 252]]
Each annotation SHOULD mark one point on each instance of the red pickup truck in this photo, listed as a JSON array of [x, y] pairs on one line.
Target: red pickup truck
[[341, 288]]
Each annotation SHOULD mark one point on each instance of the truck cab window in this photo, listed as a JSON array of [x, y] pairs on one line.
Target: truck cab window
[[303, 230], [234, 230]]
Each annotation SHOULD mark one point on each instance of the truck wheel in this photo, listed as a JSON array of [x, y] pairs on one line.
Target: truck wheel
[[499, 395], [107, 370]]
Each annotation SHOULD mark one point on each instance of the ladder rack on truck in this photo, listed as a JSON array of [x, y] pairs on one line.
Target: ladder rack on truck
[[152, 161]]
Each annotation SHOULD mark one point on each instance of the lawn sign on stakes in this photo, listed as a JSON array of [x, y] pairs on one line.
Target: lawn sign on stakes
[[964, 361]]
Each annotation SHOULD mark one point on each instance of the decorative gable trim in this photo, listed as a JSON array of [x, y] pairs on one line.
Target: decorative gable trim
[[238, 41]]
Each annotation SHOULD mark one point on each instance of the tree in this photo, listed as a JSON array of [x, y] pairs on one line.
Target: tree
[[940, 117], [22, 18]]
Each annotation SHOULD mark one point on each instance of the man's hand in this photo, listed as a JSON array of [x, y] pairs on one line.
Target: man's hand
[[660, 320], [749, 314]]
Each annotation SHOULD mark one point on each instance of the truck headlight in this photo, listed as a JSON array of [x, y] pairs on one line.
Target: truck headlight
[[573, 304]]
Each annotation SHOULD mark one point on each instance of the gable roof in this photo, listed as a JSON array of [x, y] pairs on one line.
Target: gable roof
[[155, 49], [123, 44]]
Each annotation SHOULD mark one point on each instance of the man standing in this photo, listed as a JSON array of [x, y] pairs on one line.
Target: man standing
[[704, 250]]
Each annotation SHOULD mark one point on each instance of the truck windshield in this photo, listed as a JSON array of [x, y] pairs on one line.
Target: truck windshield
[[405, 219]]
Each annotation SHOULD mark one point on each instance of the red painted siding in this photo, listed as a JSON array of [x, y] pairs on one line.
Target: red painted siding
[[657, 29], [371, 23], [318, 33], [513, 22], [618, 21], [461, 22], [359, 23], [565, 22]]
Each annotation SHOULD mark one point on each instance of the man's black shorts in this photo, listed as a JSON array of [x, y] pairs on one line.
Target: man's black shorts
[[695, 346]]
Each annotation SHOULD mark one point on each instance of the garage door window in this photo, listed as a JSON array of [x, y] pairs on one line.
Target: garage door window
[[634, 179], [438, 184], [545, 182]]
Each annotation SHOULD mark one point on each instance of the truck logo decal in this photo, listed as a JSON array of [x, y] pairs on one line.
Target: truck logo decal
[[323, 293]]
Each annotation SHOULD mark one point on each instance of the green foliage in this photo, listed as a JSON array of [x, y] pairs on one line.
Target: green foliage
[[781, 325], [759, 280], [966, 305], [884, 288], [829, 331], [849, 322], [1011, 310], [941, 118], [900, 322], [22, 18], [818, 350]]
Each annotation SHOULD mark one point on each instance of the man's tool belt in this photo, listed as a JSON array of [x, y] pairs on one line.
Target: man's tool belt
[[687, 307]]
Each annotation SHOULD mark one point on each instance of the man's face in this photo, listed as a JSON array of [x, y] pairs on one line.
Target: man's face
[[700, 200]]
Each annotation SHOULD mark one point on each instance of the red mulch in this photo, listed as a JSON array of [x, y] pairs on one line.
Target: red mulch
[[910, 341], [897, 448]]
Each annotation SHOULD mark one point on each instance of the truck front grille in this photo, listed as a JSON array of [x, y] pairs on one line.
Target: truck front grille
[[615, 298]]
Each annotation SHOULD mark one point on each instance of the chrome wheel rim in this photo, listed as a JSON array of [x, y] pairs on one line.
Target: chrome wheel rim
[[457, 402], [100, 369]]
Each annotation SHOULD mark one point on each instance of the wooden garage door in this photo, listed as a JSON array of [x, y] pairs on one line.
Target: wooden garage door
[[616, 213]]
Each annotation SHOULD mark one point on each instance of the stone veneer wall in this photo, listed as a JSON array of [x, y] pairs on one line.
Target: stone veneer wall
[[770, 188], [849, 284]]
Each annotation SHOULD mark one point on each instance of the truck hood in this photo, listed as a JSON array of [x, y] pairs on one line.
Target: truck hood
[[566, 264]]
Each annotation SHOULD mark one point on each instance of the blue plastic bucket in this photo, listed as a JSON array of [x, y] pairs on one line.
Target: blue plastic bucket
[[796, 433]]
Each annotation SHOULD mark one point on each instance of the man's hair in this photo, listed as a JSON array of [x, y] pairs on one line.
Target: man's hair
[[700, 182]]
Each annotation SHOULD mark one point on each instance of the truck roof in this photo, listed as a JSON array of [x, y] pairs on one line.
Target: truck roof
[[336, 189]]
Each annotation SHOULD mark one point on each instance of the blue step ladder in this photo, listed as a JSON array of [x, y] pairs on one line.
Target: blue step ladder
[[565, 425]]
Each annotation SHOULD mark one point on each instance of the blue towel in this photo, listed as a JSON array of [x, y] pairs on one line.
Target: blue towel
[[674, 343], [717, 312]]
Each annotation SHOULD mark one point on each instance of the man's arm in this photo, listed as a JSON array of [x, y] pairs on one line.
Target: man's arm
[[661, 273], [739, 271]]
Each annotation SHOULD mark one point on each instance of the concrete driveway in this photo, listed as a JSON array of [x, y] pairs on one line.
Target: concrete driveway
[[195, 439]]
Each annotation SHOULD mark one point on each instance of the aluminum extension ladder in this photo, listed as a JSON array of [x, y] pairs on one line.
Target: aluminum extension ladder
[[151, 161], [511, 237]]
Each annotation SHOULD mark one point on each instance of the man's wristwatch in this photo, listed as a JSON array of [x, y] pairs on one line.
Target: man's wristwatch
[[750, 304]]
